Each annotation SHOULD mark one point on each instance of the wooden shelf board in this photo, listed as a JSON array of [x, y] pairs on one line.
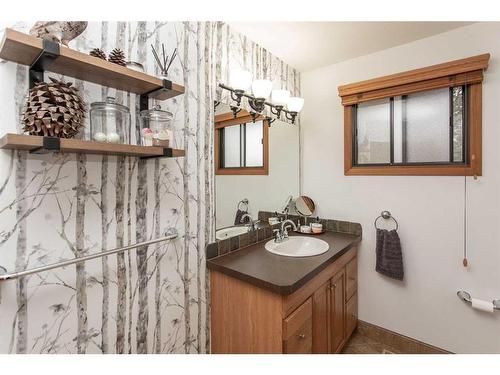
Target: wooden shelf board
[[31, 142], [24, 49]]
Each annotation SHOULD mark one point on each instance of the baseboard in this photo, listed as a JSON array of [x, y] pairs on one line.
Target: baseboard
[[403, 344]]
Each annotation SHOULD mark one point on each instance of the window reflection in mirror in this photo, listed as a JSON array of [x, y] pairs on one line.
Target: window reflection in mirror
[[253, 160]]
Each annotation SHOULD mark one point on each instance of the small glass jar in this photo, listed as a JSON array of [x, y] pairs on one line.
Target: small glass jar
[[155, 127], [109, 122]]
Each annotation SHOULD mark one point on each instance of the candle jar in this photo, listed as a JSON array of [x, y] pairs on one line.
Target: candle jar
[[155, 127], [109, 122]]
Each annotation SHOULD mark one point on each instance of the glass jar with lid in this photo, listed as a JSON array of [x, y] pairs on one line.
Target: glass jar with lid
[[155, 127], [109, 122]]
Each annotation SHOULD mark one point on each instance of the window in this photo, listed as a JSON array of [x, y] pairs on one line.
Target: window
[[241, 145], [422, 122], [423, 128]]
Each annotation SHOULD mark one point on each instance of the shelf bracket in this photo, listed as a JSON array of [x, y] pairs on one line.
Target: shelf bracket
[[50, 51], [50, 144], [144, 98], [167, 153]]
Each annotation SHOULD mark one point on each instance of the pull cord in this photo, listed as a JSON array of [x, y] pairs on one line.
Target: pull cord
[[465, 261]]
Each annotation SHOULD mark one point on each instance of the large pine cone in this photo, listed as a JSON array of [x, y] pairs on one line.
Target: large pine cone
[[97, 52], [117, 56], [54, 109]]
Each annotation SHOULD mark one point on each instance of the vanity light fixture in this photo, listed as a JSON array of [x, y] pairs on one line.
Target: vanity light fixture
[[294, 106], [240, 80], [261, 89], [279, 98]]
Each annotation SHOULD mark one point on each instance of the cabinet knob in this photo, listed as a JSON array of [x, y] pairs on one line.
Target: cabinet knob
[[333, 287], [302, 336]]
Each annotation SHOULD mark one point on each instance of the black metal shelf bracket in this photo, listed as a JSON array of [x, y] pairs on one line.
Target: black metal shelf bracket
[[50, 144], [144, 98], [50, 52], [167, 153]]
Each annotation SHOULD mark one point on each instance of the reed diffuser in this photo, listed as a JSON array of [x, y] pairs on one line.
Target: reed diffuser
[[165, 61]]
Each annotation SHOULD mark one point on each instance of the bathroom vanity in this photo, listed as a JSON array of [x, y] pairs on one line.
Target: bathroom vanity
[[267, 303]]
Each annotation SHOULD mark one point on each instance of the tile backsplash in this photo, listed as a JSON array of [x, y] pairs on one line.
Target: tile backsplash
[[264, 231]]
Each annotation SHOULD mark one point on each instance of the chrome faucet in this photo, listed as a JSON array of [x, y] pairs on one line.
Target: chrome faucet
[[282, 235], [251, 223]]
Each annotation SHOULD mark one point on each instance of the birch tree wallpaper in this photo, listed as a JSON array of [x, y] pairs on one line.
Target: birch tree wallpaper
[[58, 206]]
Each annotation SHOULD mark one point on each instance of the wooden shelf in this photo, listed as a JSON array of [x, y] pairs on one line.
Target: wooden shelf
[[35, 143], [26, 49]]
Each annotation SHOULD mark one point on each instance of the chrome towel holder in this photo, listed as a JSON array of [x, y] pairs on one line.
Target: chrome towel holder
[[466, 297], [385, 215]]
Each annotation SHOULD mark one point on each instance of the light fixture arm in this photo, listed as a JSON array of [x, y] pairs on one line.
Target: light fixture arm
[[257, 104], [236, 95], [235, 111], [254, 116], [291, 116], [276, 110], [270, 120]]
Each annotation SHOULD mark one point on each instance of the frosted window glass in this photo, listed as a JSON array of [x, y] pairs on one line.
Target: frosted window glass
[[373, 135], [232, 146], [427, 126], [398, 129], [254, 148], [458, 135]]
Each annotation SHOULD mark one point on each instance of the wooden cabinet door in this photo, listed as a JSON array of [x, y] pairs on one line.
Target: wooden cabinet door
[[351, 277], [321, 319], [337, 326], [297, 330], [351, 316]]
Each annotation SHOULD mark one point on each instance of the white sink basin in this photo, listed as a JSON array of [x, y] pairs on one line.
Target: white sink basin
[[298, 246], [224, 233]]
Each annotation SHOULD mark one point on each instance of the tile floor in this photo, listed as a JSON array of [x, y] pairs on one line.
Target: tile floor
[[360, 344]]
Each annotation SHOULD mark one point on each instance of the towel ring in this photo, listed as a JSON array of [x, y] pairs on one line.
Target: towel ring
[[244, 201], [385, 215]]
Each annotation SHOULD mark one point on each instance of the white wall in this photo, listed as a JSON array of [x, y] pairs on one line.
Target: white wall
[[429, 209], [265, 193]]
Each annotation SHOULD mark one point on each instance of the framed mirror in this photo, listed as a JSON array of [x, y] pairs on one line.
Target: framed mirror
[[257, 168]]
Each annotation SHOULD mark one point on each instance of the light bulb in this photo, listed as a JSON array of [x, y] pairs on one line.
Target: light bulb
[[280, 97], [240, 79], [261, 88], [295, 104]]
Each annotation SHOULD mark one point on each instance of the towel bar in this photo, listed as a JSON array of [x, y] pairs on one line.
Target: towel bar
[[466, 297], [4, 275]]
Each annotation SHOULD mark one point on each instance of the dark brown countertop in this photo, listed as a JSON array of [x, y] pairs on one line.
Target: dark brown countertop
[[281, 274]]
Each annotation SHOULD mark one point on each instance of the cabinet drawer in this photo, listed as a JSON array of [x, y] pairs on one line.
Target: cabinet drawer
[[351, 315], [351, 283], [297, 330]]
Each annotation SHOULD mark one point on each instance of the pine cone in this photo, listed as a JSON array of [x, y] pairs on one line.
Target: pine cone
[[54, 109], [97, 52], [117, 56]]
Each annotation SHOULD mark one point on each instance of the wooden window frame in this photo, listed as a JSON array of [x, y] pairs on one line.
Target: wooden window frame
[[227, 119], [468, 72]]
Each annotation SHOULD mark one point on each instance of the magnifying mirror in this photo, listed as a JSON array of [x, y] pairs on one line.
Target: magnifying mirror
[[305, 206]]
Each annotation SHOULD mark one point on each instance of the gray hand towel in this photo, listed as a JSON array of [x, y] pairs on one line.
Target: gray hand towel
[[389, 255], [239, 214]]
